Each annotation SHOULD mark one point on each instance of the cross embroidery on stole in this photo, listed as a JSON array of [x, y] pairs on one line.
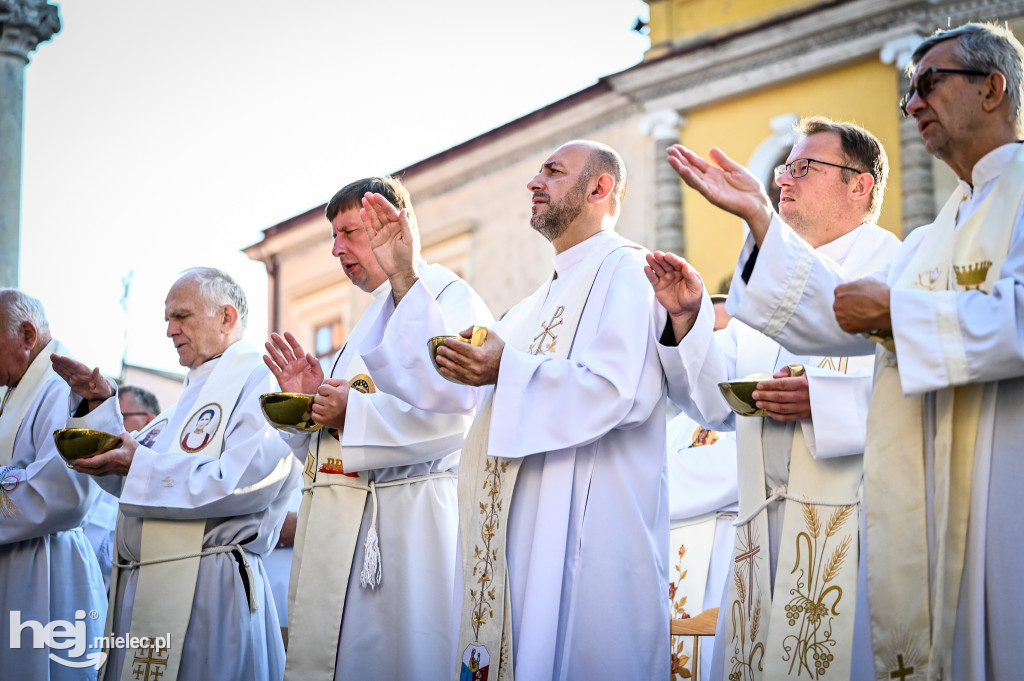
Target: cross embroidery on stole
[[537, 346], [150, 663], [750, 550]]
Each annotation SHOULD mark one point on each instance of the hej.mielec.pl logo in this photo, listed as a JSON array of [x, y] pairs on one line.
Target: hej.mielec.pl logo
[[62, 635]]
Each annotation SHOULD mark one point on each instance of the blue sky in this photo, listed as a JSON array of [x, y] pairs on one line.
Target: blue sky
[[159, 136]]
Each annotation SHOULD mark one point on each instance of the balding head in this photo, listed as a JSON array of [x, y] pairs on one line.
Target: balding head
[[578, 192]]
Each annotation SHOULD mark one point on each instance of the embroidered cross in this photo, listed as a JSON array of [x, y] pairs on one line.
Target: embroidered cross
[[537, 346], [152, 662], [902, 672], [748, 555]]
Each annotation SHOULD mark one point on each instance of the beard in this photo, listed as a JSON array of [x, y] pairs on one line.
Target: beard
[[559, 215]]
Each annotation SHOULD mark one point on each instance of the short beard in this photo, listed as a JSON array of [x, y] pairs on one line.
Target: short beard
[[559, 216]]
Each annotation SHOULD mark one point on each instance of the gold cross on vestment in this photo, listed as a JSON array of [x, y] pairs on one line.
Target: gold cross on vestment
[[148, 661], [537, 346], [902, 672], [748, 555]]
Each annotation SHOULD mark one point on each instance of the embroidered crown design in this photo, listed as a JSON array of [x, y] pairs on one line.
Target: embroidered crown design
[[973, 275]]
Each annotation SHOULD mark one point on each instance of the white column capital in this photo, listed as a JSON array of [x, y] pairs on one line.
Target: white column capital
[[898, 50], [663, 124]]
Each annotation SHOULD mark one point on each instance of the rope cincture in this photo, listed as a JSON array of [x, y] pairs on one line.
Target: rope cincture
[[227, 548], [370, 575], [781, 492]]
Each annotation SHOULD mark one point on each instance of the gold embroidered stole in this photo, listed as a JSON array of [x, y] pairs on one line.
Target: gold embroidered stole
[[690, 546], [170, 549], [329, 520], [805, 624], [913, 616], [541, 325], [748, 600], [20, 398]]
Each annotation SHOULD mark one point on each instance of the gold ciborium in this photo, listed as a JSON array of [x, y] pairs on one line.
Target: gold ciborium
[[477, 339], [290, 412], [81, 443], [738, 393]]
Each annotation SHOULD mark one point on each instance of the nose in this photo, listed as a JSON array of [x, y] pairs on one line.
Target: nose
[[915, 103], [536, 184], [172, 329], [339, 246], [785, 179]]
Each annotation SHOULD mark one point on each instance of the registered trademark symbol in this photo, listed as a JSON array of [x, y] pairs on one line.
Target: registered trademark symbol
[[93, 615]]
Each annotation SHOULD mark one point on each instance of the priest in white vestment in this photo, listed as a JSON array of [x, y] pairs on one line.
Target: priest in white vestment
[[570, 410], [802, 460], [193, 525], [942, 463], [50, 571], [374, 569]]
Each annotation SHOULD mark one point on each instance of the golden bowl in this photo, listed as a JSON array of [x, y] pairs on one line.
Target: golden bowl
[[81, 443], [290, 412], [738, 393], [477, 339]]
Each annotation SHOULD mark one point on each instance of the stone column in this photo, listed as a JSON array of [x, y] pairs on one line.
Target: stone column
[[664, 126], [23, 25], [918, 198]]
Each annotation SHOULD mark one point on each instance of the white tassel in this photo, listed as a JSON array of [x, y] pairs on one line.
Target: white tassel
[[370, 575]]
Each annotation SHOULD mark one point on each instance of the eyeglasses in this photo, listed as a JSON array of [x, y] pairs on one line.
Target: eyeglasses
[[926, 84], [126, 414], [799, 167]]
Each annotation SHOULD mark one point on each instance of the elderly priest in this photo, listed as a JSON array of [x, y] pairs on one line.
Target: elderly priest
[[200, 506]]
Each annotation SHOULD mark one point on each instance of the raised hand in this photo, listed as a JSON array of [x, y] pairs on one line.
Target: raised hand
[[786, 396], [678, 287], [296, 371], [471, 364], [394, 243], [725, 184], [85, 382]]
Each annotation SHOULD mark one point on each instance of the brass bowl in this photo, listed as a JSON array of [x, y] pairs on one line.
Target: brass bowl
[[738, 393], [477, 339], [81, 443], [290, 412]]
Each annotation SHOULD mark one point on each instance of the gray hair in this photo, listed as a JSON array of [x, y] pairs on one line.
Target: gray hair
[[217, 288], [984, 47], [17, 307], [143, 397]]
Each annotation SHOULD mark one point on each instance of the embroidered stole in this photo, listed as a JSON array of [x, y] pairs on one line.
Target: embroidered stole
[[808, 626], [540, 325], [913, 617], [691, 543], [329, 520], [22, 396], [171, 549]]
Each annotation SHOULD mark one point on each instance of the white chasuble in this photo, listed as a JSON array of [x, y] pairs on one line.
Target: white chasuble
[[913, 619], [544, 324], [329, 522], [171, 549]]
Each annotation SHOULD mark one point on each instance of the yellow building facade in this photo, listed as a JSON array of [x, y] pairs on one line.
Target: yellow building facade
[[734, 74]]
